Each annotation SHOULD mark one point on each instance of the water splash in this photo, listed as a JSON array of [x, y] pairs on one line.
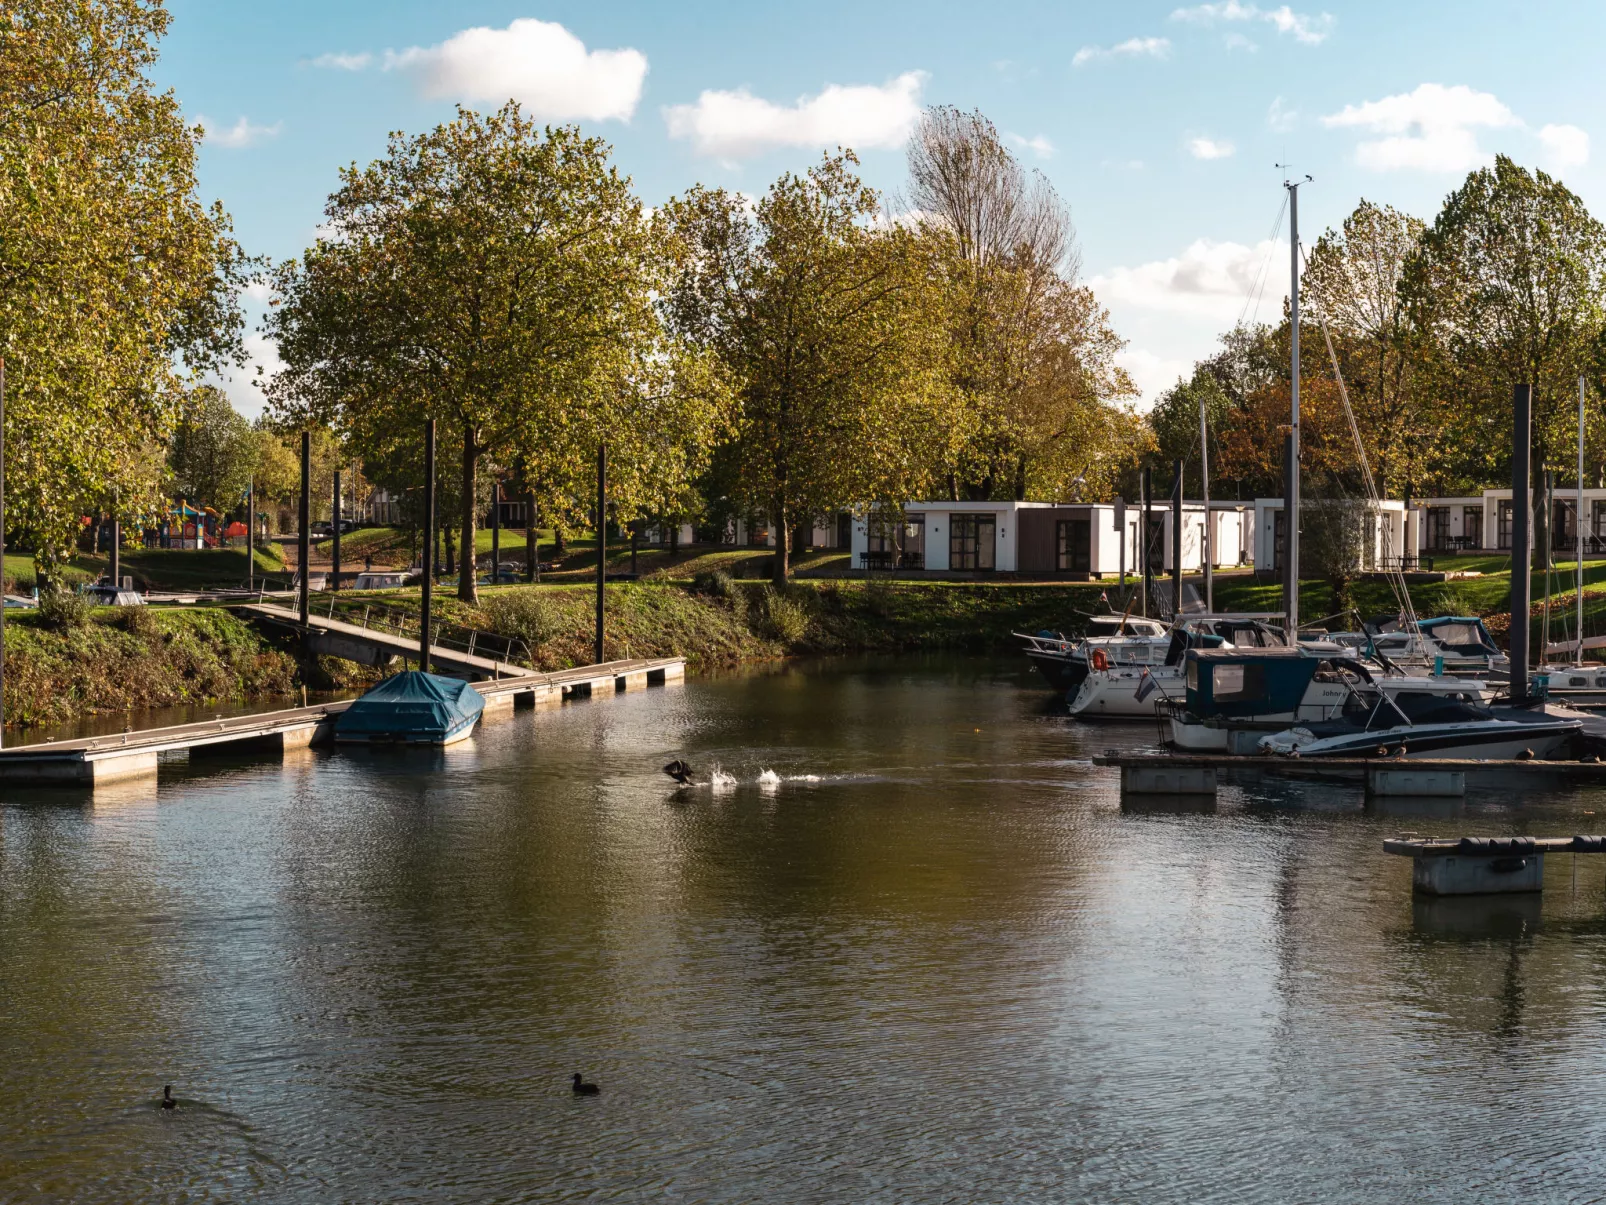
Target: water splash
[[721, 781], [769, 780], [802, 778]]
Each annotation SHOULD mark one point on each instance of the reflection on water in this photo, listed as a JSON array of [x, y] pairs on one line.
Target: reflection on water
[[934, 960]]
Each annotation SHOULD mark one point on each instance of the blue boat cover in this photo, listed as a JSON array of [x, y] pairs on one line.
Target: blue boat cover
[[411, 706]]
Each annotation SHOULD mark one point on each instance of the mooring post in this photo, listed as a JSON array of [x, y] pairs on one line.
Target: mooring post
[[304, 540], [602, 541], [496, 531], [117, 542], [1144, 483], [2, 550], [1521, 541], [429, 544], [1176, 543], [633, 536], [334, 569], [532, 541], [251, 534]]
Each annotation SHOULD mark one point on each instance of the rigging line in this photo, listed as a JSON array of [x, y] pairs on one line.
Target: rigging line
[[1402, 593], [1258, 286]]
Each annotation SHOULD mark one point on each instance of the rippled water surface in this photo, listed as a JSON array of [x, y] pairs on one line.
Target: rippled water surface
[[938, 961]]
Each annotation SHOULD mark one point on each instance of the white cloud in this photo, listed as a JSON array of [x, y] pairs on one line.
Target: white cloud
[[1210, 148], [731, 125], [340, 61], [1152, 374], [1236, 41], [1039, 145], [258, 291], [1154, 48], [540, 64], [1281, 118], [1433, 128], [1209, 279], [1564, 146], [243, 386], [241, 134], [1309, 28]]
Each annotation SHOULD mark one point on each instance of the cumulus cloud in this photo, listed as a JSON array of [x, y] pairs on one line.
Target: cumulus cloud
[[1435, 128], [1280, 117], [733, 125], [1209, 280], [1210, 148], [540, 64], [1563, 146], [1038, 145], [242, 133], [243, 386], [341, 61], [1153, 374], [1309, 28], [1153, 48]]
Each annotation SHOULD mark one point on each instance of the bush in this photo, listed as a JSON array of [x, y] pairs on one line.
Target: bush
[[139, 621], [63, 609], [785, 618], [528, 615]]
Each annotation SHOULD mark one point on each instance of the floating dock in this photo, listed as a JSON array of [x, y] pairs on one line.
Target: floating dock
[[99, 759], [1484, 865]]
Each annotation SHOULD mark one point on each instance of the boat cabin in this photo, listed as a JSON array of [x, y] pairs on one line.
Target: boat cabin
[[1238, 683]]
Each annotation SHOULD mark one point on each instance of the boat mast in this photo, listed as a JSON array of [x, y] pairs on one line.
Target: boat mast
[[1291, 489], [1210, 526], [1578, 526]]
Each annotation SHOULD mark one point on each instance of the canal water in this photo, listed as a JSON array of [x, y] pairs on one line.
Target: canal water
[[932, 959]]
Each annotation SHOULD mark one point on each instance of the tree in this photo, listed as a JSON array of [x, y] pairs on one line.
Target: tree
[[1353, 280], [117, 287], [501, 279], [213, 452], [1033, 353], [828, 330], [1507, 287], [1174, 419]]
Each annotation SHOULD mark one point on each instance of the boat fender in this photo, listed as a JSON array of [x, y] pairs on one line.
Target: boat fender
[[1488, 846], [1100, 660], [1526, 755], [1589, 845]]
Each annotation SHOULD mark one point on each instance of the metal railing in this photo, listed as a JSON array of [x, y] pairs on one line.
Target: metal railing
[[405, 623]]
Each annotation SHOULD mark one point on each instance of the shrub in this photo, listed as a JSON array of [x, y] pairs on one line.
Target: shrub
[[785, 618], [139, 621], [63, 609], [528, 615]]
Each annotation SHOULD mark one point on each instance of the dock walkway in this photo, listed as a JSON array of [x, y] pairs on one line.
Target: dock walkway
[[99, 759], [337, 638]]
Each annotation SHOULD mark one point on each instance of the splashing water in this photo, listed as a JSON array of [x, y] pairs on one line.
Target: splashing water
[[769, 780], [721, 781]]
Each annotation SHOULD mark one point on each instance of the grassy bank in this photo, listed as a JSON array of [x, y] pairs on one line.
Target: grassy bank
[[136, 657]]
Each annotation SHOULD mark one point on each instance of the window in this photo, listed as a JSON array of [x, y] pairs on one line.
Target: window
[[1073, 551], [1438, 528], [1234, 683], [1503, 527], [971, 540], [1472, 526]]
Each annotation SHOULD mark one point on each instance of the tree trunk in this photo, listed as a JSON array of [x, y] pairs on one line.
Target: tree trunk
[[559, 548], [468, 589], [674, 540], [783, 547], [449, 549]]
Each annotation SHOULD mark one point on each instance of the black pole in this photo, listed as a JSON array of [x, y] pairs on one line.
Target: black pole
[[496, 531], [334, 569], [429, 543], [1290, 545], [304, 547], [532, 541], [602, 540], [1521, 543], [117, 544], [2, 550], [251, 534], [1144, 482], [1176, 543]]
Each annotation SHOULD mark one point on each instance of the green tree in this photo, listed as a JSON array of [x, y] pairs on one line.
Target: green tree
[[1174, 419], [213, 453], [1507, 288], [829, 330], [117, 287], [499, 278]]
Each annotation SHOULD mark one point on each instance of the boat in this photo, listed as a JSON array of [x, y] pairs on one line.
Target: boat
[[1375, 723], [1452, 644], [411, 708], [1232, 697], [1064, 662]]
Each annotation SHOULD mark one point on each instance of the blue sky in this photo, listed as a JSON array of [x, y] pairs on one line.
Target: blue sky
[[1161, 125]]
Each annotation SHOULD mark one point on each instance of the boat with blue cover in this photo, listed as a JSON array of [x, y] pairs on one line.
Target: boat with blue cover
[[412, 708]]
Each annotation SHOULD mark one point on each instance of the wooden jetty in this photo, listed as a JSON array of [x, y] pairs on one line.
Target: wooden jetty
[[1484, 865], [366, 646], [123, 755], [1190, 774]]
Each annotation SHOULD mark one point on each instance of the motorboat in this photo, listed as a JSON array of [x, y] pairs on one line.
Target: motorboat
[[1451, 644], [412, 708], [1232, 697], [1377, 723], [1124, 640]]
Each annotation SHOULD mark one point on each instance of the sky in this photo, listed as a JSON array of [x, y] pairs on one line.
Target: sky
[[1167, 129]]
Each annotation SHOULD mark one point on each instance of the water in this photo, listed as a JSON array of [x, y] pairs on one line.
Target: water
[[934, 961]]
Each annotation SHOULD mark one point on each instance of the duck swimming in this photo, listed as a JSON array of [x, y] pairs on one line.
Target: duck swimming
[[581, 1088], [680, 772], [167, 1098]]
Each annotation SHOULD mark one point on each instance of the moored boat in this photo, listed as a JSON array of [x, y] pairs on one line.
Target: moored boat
[[412, 708]]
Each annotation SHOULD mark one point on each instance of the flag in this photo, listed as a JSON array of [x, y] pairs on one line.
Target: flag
[[1146, 685]]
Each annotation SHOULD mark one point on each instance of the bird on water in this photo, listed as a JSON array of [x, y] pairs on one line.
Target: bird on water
[[680, 772], [581, 1088], [167, 1098]]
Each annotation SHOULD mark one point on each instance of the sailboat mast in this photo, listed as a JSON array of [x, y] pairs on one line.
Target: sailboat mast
[[1578, 526], [1209, 549], [1291, 492]]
